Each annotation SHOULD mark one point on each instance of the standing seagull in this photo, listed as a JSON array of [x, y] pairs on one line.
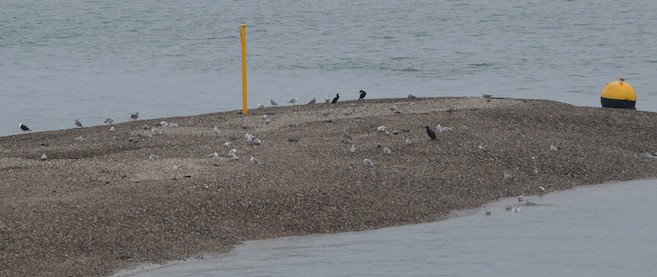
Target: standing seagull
[[362, 95], [255, 161], [134, 116], [431, 133], [312, 101], [109, 120], [273, 103], [335, 99], [23, 127], [293, 100], [327, 99], [78, 123]]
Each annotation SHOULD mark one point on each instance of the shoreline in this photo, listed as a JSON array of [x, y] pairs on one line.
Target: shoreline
[[497, 207], [100, 205]]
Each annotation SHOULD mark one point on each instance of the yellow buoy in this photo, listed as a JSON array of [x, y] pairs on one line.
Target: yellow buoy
[[618, 94]]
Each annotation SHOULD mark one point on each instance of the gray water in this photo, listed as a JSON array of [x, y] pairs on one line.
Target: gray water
[[90, 59], [604, 230]]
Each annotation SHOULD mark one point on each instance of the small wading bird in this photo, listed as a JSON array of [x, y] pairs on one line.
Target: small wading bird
[[335, 99], [134, 116], [362, 95], [431, 133], [23, 127]]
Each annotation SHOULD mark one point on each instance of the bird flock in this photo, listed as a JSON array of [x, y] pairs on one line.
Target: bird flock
[[252, 140], [328, 99]]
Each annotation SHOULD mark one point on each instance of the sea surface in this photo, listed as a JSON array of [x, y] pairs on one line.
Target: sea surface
[[603, 230], [91, 59]]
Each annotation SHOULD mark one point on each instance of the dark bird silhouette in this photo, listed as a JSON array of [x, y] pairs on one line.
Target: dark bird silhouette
[[431, 133], [78, 123], [335, 99], [23, 127], [362, 95]]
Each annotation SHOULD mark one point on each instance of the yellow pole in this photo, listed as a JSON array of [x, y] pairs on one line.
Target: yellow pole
[[245, 108]]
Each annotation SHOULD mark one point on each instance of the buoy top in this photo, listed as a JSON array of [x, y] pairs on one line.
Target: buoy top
[[619, 90]]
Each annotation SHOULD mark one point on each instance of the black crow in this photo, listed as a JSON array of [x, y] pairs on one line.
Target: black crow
[[23, 127], [335, 99], [431, 133]]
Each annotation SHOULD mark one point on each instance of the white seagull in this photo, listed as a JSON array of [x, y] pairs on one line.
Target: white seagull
[[249, 138], [164, 124], [387, 151], [112, 129], [261, 106], [254, 160], [508, 177], [553, 148], [293, 100], [213, 155], [273, 103], [216, 131], [327, 99], [153, 157], [352, 149], [109, 120], [312, 101], [368, 162], [44, 156], [229, 145]]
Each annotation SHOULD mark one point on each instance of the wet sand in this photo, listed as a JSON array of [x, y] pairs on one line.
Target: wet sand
[[100, 205]]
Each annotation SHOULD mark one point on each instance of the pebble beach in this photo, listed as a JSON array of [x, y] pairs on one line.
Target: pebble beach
[[115, 200]]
